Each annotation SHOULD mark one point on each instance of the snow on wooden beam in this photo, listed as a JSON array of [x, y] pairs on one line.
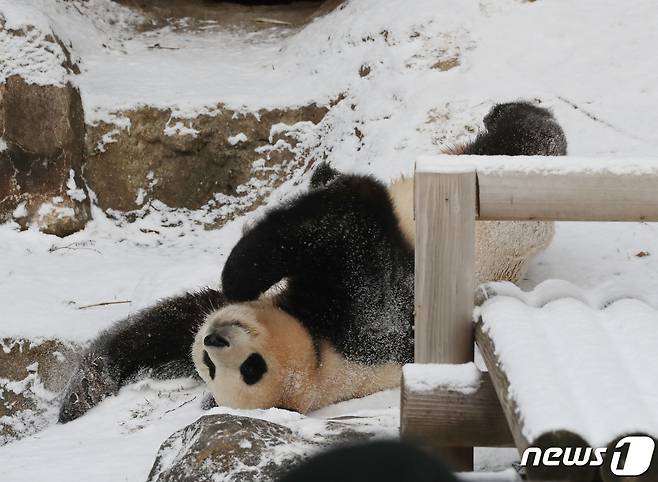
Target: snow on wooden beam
[[558, 188], [449, 405]]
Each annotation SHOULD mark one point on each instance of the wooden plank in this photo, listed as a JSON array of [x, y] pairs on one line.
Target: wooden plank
[[514, 416], [449, 418], [567, 197], [445, 204], [500, 383]]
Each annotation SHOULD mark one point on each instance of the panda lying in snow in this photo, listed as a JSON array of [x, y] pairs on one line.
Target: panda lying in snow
[[342, 325]]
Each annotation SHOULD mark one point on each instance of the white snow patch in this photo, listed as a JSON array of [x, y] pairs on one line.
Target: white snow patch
[[544, 165], [236, 139], [141, 195], [3, 145], [26, 49], [426, 377], [73, 191], [61, 212], [107, 138], [180, 129], [20, 211]]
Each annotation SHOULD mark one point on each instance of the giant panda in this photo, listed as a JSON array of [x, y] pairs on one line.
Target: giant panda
[[317, 296]]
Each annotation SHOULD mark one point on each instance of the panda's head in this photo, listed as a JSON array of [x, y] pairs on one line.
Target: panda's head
[[253, 355]]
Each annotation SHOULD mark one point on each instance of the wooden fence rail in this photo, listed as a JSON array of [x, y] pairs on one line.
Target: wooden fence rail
[[451, 193]]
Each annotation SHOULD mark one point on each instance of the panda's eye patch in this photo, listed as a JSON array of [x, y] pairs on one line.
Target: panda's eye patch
[[209, 364], [253, 369], [216, 340]]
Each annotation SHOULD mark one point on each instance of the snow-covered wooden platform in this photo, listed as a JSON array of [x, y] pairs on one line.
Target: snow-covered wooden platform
[[572, 368]]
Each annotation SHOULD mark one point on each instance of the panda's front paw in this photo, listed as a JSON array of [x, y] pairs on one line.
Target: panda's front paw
[[92, 381]]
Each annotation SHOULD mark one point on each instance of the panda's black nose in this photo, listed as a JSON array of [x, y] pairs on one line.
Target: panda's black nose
[[215, 340]]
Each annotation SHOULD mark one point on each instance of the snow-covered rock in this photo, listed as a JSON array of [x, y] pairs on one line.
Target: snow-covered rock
[[31, 375], [41, 121], [228, 447]]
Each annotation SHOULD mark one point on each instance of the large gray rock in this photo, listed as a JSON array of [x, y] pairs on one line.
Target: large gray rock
[[232, 448]]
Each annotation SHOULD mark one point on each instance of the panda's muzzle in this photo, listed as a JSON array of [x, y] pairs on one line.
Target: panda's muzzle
[[216, 340]]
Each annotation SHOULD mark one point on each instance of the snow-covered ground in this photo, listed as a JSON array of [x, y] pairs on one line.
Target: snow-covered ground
[[593, 62]]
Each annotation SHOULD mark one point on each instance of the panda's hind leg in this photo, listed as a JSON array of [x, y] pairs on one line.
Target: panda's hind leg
[[158, 338]]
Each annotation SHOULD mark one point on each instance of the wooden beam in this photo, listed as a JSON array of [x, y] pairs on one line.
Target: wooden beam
[[445, 417], [514, 416], [444, 204], [567, 197]]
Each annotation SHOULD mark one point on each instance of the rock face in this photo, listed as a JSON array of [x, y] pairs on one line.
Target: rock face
[[224, 161], [31, 374], [187, 163], [247, 15], [234, 448], [41, 134]]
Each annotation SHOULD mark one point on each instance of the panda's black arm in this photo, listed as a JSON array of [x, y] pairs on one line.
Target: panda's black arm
[[309, 237], [158, 338]]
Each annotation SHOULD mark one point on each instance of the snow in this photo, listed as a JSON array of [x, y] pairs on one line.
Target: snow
[[464, 378], [594, 364], [506, 165], [236, 139], [592, 62], [444, 165], [20, 211], [180, 129], [133, 262], [74, 192], [25, 49]]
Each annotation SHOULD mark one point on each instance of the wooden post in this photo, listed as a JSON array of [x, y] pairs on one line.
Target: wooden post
[[445, 211]]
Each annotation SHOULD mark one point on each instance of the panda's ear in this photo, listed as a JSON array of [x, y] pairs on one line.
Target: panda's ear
[[322, 175]]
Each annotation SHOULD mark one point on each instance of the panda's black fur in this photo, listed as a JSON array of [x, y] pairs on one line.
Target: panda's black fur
[[348, 266], [518, 129], [349, 270]]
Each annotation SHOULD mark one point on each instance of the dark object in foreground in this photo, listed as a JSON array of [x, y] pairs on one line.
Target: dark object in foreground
[[376, 461]]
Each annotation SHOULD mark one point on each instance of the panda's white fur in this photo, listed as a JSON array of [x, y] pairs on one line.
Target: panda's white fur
[[503, 248], [298, 377], [401, 192]]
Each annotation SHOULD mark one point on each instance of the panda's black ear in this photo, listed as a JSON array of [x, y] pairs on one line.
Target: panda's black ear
[[323, 174]]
